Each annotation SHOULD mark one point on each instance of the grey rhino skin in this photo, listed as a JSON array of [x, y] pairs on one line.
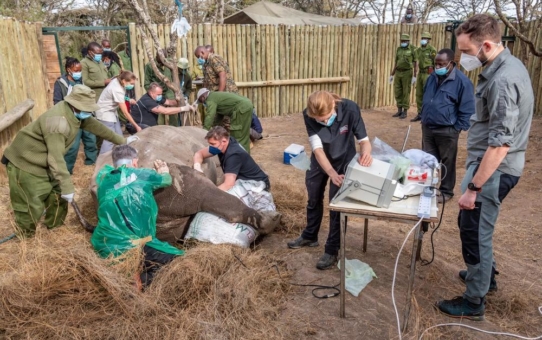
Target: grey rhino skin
[[191, 192]]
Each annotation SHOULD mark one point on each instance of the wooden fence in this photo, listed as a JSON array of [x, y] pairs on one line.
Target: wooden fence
[[22, 72], [359, 60]]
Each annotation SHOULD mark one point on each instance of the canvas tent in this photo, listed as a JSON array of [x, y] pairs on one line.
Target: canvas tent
[[268, 13]]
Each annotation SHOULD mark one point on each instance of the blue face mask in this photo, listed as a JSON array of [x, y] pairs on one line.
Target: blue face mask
[[201, 61], [129, 87], [158, 98], [330, 120], [76, 75], [214, 150], [106, 49], [97, 58], [423, 42], [83, 115], [409, 16], [107, 63], [441, 71], [404, 44]]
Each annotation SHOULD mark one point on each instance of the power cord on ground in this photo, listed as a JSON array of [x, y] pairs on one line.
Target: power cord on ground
[[425, 262], [5, 239]]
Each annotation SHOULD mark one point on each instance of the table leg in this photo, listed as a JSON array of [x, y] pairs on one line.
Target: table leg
[[365, 234], [425, 228], [418, 234], [343, 219]]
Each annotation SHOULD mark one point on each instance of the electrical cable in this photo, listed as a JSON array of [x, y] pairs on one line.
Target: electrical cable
[[395, 275], [425, 262], [5, 239]]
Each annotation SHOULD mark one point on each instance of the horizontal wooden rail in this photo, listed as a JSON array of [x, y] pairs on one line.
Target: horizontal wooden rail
[[10, 117], [308, 81]]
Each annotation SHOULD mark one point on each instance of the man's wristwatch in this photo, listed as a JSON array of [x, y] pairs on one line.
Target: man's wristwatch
[[471, 186]]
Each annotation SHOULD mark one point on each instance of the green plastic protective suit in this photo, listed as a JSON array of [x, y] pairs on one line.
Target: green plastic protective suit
[[127, 210]]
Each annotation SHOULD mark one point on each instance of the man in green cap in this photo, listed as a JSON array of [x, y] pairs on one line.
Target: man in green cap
[[226, 104], [185, 77], [426, 62], [39, 181], [151, 77], [406, 67]]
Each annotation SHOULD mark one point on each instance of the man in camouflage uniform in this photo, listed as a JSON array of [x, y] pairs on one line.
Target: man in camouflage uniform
[[216, 75], [406, 67], [426, 62]]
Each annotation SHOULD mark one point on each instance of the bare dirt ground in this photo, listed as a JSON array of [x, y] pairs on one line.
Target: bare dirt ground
[[517, 241]]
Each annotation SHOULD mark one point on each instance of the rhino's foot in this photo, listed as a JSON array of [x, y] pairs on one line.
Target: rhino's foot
[[270, 221]]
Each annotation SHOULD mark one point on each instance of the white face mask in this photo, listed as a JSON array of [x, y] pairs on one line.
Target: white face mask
[[471, 62]]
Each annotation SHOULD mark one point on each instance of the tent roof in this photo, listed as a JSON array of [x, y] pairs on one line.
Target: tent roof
[[268, 13]]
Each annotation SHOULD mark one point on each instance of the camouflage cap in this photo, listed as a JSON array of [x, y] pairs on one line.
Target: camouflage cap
[[405, 37], [83, 98], [426, 35]]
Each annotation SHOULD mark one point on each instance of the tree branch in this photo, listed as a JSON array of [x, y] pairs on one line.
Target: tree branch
[[516, 32]]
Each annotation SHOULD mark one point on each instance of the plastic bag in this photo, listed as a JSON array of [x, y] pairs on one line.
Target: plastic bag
[[358, 275], [207, 227], [421, 158], [386, 153], [127, 210], [301, 162], [253, 194], [181, 27]]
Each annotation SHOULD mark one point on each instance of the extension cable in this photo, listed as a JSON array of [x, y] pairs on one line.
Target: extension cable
[[442, 324]]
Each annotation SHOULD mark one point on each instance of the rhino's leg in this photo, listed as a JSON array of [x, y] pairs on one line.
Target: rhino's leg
[[172, 230], [191, 192]]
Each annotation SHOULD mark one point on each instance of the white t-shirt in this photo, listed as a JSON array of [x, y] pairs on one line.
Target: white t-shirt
[[112, 95]]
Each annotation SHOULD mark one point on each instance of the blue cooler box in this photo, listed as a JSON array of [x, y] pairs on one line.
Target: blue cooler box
[[292, 151]]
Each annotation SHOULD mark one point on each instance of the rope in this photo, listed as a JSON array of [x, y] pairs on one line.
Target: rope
[[5, 239]]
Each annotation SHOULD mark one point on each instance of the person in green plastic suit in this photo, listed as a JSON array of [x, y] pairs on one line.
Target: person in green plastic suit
[[403, 75], [127, 212]]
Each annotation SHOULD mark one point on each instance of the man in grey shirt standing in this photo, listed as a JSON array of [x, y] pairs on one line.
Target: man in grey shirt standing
[[496, 147]]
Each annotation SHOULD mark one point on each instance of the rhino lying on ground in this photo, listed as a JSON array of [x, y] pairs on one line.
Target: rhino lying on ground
[[190, 192]]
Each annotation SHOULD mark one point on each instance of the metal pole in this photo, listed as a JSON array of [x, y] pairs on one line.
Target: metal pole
[[343, 219], [365, 234], [418, 234]]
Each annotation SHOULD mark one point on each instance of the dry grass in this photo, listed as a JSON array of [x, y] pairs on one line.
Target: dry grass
[[291, 201], [58, 288]]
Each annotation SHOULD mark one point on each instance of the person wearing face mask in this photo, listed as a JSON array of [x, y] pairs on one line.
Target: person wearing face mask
[[235, 162], [410, 17], [221, 105], [216, 71], [94, 70], [406, 67], [496, 144], [112, 99], [448, 104], [38, 178], [151, 77], [145, 112], [63, 87], [111, 61], [106, 45], [426, 63], [335, 127]]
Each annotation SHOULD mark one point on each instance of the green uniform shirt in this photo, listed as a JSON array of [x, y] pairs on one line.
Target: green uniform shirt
[[126, 61], [186, 82], [405, 57], [220, 104], [150, 77], [114, 70], [426, 56], [39, 147], [94, 75]]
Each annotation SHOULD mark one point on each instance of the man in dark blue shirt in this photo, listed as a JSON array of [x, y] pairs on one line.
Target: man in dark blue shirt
[[255, 128], [448, 103], [235, 161]]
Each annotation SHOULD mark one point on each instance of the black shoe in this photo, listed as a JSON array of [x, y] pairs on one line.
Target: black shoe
[[417, 118], [443, 197], [301, 242], [492, 284], [459, 307], [399, 112], [326, 261], [403, 115]]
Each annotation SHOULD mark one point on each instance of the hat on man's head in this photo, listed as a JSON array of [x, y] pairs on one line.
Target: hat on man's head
[[202, 92], [405, 37], [182, 63], [426, 35], [83, 98]]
